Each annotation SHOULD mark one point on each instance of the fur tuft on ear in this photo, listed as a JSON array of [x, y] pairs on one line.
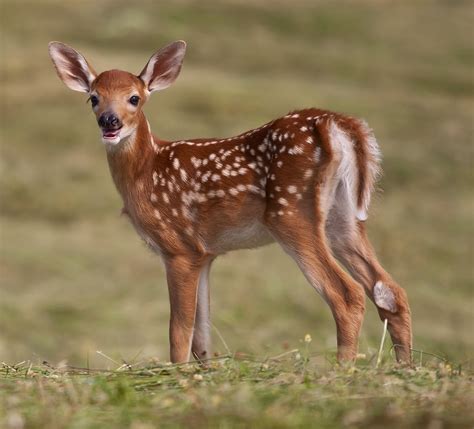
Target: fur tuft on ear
[[164, 66], [71, 67]]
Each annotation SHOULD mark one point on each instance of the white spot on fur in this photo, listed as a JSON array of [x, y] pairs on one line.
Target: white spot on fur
[[292, 189], [296, 150], [282, 201], [253, 188], [176, 163], [196, 162]]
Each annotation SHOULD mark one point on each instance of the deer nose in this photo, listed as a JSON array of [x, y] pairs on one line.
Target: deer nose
[[109, 120]]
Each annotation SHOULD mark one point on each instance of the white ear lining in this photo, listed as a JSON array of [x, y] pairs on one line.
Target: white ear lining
[[161, 82], [147, 74]]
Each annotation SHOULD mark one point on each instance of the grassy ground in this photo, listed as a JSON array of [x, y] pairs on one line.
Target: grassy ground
[[76, 279], [295, 390]]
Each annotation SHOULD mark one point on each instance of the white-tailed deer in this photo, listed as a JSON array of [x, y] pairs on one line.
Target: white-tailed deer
[[303, 180]]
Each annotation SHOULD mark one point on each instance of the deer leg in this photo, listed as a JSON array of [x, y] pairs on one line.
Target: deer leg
[[344, 296], [201, 338], [183, 282], [350, 244]]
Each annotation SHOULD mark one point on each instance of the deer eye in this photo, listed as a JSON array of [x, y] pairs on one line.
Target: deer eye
[[94, 100], [134, 99]]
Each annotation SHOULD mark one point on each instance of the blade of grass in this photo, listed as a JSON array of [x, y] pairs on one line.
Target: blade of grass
[[379, 356]]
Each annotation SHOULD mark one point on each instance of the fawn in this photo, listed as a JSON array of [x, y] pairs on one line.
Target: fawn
[[303, 180]]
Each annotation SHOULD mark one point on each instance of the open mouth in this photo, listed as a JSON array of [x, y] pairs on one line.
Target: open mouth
[[110, 134]]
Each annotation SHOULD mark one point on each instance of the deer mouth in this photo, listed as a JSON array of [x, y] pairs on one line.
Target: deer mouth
[[111, 134]]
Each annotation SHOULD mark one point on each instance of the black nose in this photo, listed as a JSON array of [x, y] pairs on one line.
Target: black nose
[[109, 120]]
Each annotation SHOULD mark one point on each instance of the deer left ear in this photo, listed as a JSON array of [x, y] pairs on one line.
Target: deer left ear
[[164, 66], [72, 68]]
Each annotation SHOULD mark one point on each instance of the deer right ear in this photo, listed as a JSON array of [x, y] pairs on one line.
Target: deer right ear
[[164, 66], [72, 67]]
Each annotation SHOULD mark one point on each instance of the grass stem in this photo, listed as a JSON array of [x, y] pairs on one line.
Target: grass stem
[[379, 356]]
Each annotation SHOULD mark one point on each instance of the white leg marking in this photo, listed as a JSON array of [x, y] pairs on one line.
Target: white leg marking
[[384, 297]]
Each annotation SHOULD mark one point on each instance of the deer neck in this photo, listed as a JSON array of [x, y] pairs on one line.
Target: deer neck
[[131, 160]]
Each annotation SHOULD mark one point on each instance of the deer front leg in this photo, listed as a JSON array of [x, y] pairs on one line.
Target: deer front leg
[[201, 346], [183, 280]]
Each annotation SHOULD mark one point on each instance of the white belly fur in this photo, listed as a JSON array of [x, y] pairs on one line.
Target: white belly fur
[[247, 236]]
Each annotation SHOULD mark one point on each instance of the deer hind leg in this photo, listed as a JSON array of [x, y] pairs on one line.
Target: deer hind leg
[[201, 345], [305, 243], [297, 221], [350, 244]]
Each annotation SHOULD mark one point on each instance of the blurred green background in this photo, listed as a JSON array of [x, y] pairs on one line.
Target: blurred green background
[[75, 278]]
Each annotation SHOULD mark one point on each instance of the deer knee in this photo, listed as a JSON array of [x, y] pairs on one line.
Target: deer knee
[[352, 308], [355, 298]]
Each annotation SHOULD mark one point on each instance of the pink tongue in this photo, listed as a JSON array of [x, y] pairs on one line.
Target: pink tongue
[[111, 134]]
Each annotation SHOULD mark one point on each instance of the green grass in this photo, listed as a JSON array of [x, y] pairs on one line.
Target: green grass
[[295, 389], [75, 278]]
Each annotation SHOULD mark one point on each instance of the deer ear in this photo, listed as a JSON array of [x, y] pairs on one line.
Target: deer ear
[[164, 66], [72, 67]]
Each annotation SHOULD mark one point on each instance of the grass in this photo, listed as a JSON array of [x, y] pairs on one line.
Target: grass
[[75, 278], [294, 389]]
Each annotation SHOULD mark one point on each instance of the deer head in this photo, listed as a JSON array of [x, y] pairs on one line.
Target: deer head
[[117, 97]]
